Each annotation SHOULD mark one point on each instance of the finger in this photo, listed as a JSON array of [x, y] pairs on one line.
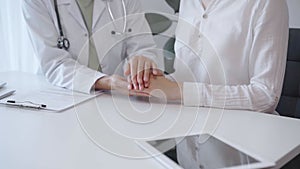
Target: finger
[[154, 68], [156, 71], [126, 68], [159, 72], [138, 93], [133, 68], [147, 74], [140, 74], [130, 85]]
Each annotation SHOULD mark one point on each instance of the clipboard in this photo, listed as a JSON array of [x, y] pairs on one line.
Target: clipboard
[[51, 99], [5, 92], [2, 84]]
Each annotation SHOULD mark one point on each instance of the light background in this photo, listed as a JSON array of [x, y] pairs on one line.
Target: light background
[[16, 53]]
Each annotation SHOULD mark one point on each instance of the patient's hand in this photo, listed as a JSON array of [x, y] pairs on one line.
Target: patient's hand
[[138, 70], [117, 83], [171, 90]]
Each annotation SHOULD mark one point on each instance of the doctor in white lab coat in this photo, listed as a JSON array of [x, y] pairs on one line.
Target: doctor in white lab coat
[[69, 68]]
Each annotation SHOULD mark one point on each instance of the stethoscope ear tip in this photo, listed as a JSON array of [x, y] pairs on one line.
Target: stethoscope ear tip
[[113, 18]]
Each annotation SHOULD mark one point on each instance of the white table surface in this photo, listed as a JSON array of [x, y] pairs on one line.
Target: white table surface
[[100, 133]]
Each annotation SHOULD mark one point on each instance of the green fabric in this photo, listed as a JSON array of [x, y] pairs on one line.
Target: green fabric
[[86, 7]]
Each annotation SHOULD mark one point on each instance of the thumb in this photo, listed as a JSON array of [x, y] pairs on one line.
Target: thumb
[[126, 69]]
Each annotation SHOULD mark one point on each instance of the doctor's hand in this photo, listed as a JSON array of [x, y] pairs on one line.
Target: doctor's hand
[[138, 70], [162, 87], [118, 83]]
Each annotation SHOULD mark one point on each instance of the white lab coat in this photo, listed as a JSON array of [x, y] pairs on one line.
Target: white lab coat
[[69, 68], [231, 55]]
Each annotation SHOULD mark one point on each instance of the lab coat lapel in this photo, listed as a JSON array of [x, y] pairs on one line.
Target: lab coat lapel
[[75, 12], [99, 8]]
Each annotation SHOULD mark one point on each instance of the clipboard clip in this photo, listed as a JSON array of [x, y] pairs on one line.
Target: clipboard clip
[[25, 104]]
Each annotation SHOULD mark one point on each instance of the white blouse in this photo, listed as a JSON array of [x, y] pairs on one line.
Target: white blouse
[[232, 54]]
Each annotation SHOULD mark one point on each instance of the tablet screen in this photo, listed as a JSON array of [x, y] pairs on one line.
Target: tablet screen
[[212, 152]]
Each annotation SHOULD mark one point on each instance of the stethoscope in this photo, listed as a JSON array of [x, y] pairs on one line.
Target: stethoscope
[[64, 43]]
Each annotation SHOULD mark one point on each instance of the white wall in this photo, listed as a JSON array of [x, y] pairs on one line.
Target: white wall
[[16, 52], [294, 10]]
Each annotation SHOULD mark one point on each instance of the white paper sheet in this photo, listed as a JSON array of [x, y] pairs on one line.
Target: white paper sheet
[[55, 99]]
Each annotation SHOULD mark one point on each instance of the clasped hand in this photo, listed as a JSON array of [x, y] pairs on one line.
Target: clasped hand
[[143, 77]]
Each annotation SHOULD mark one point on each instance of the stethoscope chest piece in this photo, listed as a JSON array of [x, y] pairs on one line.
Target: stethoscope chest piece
[[63, 43]]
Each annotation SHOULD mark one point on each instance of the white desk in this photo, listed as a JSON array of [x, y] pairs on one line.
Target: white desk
[[91, 134]]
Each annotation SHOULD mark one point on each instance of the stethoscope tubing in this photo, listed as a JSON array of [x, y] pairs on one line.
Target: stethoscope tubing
[[114, 19], [61, 33], [63, 42]]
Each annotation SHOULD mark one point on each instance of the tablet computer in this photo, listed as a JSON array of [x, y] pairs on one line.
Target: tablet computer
[[159, 148]]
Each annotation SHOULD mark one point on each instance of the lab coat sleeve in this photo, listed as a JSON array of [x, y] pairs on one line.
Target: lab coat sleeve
[[267, 61], [58, 65], [141, 42]]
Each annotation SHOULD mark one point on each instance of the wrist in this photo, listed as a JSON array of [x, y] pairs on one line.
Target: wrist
[[103, 83], [177, 91]]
